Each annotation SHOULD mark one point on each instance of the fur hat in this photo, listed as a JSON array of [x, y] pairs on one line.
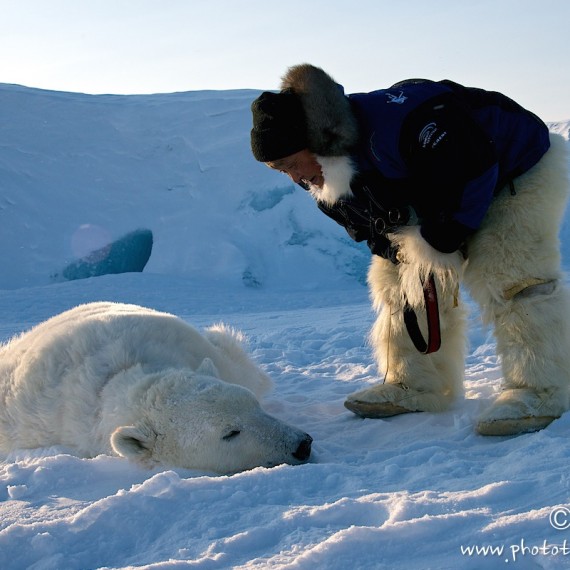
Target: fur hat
[[332, 129], [279, 128]]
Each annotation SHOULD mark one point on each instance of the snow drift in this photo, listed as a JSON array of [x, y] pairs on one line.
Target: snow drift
[[235, 241]]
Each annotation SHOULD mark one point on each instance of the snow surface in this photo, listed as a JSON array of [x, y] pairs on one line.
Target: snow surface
[[237, 242]]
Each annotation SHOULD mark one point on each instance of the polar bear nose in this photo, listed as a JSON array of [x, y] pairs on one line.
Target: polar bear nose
[[303, 452]]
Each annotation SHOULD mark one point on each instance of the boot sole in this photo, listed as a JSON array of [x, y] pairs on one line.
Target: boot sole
[[514, 426], [376, 409]]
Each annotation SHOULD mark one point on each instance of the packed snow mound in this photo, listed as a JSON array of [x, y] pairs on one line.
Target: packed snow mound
[[178, 164], [561, 127], [414, 491]]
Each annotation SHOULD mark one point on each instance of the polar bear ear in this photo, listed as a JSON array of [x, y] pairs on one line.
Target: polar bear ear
[[133, 443], [208, 368]]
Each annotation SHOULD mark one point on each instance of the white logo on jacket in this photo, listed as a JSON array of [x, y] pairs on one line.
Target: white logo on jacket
[[399, 99], [428, 133]]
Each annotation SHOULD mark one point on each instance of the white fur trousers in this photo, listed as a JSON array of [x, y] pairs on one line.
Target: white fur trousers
[[513, 273]]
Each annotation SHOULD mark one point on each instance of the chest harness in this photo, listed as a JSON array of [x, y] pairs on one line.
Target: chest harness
[[365, 218]]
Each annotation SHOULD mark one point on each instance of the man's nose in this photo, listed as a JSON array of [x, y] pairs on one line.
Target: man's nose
[[295, 176]]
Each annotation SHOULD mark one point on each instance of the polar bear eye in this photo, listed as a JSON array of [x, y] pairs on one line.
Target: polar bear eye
[[231, 434]]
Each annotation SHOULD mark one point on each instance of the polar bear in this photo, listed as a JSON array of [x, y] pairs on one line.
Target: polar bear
[[127, 380]]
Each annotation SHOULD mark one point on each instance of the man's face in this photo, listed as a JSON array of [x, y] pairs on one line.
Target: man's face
[[300, 167]]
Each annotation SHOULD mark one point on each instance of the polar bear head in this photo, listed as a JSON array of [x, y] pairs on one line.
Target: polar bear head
[[197, 421]]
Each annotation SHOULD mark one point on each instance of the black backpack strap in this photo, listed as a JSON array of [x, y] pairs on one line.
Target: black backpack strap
[[433, 342]]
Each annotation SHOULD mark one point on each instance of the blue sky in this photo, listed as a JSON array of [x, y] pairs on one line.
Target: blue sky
[[519, 47]]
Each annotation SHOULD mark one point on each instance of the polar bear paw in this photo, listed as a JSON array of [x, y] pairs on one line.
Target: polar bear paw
[[386, 400], [521, 410]]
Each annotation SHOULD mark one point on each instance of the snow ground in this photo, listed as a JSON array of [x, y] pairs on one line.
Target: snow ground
[[416, 491]]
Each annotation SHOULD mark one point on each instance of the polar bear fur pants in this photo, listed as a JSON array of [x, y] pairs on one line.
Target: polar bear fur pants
[[513, 272]]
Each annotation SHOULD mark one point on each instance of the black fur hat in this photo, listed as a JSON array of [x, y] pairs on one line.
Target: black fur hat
[[332, 129], [279, 126]]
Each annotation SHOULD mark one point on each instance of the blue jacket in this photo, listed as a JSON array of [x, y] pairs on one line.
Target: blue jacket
[[441, 148]]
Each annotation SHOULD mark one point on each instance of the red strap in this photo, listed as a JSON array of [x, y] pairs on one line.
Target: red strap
[[432, 313]]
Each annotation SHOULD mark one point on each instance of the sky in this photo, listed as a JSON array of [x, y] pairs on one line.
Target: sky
[[519, 47]]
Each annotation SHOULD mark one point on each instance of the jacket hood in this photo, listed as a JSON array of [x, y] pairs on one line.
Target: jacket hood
[[332, 129]]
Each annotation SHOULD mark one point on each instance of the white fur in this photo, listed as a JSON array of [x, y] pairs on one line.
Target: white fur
[[517, 242], [418, 259], [337, 173], [114, 378], [413, 380]]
